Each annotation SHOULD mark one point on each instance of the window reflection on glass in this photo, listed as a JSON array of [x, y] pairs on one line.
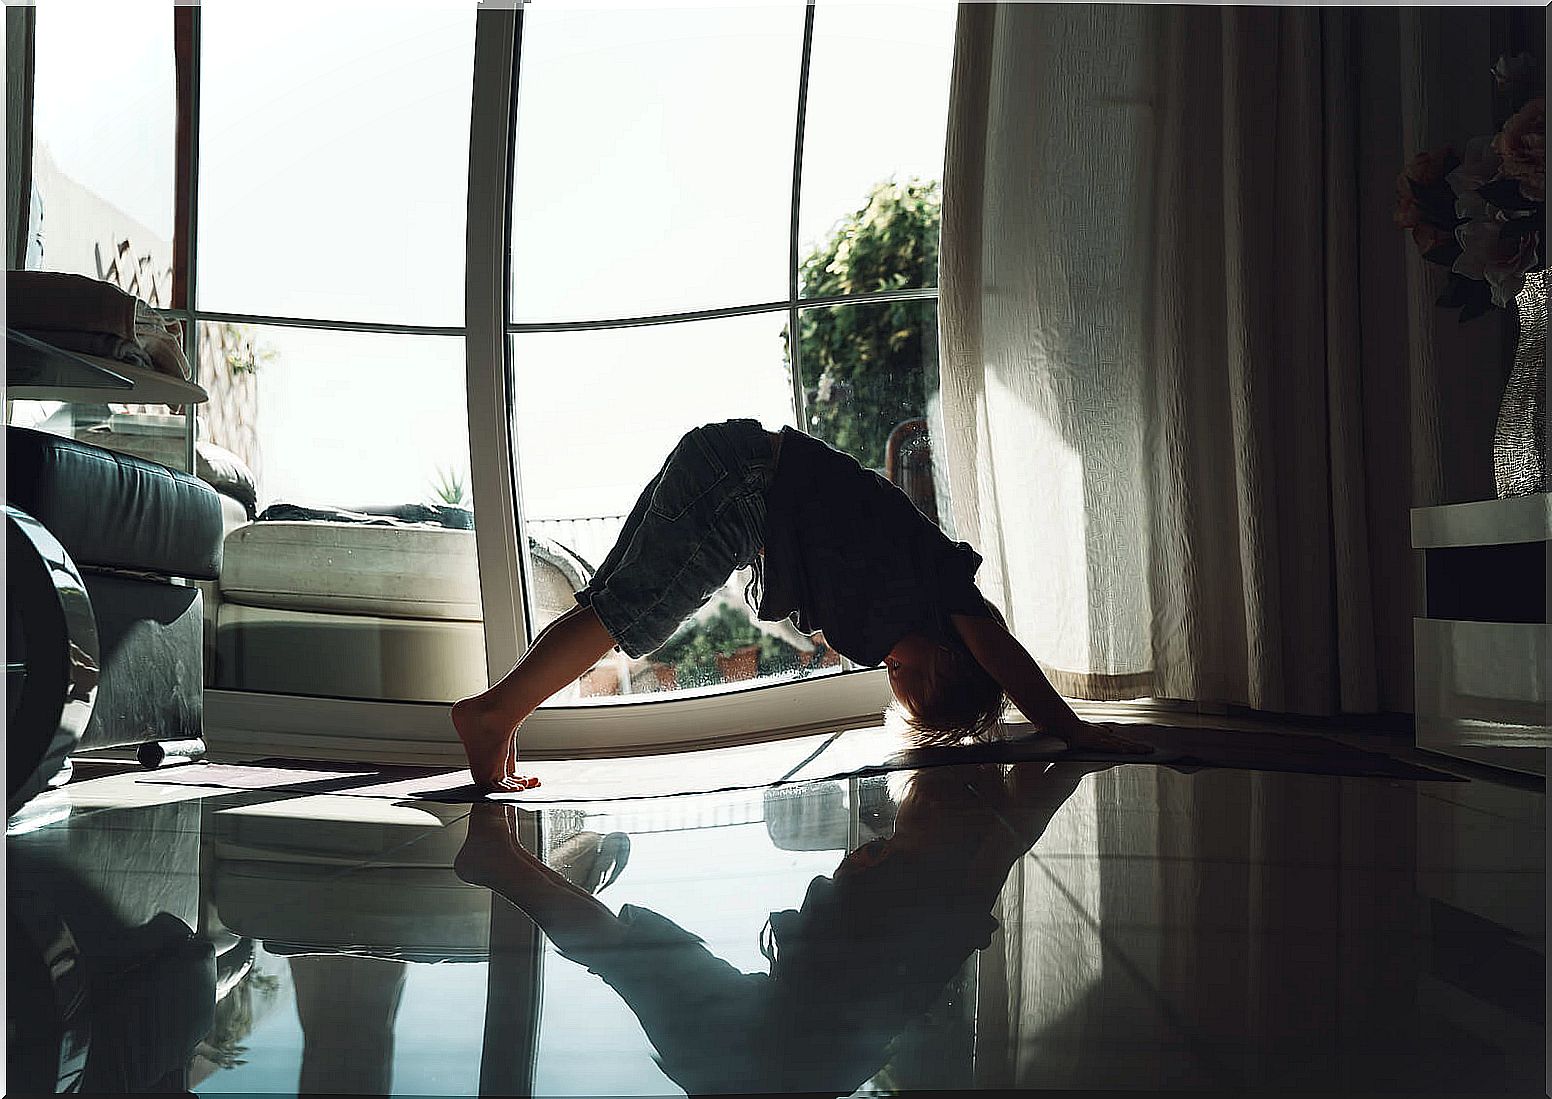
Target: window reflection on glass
[[870, 375], [877, 112], [671, 839], [654, 159], [156, 433], [334, 157], [104, 161], [597, 412], [349, 567]]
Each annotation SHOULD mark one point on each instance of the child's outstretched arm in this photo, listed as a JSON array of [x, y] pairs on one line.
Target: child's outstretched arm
[[1010, 664]]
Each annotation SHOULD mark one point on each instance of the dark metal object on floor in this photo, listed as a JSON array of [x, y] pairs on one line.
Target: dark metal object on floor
[[166, 753], [52, 665], [48, 1027]]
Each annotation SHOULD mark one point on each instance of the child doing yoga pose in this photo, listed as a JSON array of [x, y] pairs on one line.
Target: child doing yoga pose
[[833, 546]]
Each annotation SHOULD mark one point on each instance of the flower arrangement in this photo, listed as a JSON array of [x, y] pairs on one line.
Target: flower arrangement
[[1482, 213]]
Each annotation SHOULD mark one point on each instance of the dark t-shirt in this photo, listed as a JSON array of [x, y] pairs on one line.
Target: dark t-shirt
[[847, 552]]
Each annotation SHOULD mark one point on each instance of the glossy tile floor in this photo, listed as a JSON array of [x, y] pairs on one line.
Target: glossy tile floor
[[1034, 926]]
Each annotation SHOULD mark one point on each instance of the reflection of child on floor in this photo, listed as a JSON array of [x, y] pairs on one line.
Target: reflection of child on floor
[[833, 546], [868, 952]]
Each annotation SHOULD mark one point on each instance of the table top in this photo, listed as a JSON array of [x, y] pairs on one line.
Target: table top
[[38, 370], [1484, 522], [32, 363]]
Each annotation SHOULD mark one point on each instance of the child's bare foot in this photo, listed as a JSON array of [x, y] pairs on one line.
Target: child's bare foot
[[491, 854], [489, 743]]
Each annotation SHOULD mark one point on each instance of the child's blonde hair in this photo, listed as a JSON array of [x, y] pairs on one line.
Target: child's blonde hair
[[959, 701]]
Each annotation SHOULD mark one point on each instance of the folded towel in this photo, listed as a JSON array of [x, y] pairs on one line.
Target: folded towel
[[57, 301], [104, 345], [162, 338]]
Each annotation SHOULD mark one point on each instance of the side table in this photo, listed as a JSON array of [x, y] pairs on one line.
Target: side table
[[1482, 644]]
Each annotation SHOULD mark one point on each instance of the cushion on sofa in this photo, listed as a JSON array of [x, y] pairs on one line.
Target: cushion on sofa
[[112, 510], [215, 465], [348, 568]]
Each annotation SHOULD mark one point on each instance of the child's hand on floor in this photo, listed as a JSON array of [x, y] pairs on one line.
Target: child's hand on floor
[[1101, 737]]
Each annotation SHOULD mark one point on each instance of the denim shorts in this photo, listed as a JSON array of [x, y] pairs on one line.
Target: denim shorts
[[699, 520]]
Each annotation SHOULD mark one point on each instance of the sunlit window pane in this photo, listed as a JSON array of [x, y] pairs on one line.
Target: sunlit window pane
[[334, 161], [877, 110], [598, 411], [104, 159], [348, 418], [654, 159], [356, 577]]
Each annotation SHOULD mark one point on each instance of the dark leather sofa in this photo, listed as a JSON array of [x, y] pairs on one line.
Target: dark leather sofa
[[139, 533]]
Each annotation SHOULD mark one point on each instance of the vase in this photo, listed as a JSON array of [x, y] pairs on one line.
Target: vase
[[1520, 441]]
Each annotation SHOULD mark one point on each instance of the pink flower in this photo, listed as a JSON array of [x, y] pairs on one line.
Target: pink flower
[[1422, 197], [1428, 237], [1409, 212], [1428, 167], [1522, 143]]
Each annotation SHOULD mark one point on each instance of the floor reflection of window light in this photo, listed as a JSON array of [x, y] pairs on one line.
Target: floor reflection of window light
[[33, 817]]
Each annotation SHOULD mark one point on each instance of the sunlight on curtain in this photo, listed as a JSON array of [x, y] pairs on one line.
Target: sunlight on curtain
[[1042, 399], [1165, 416]]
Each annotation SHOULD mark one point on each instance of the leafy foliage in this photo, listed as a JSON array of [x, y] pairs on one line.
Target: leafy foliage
[[449, 487], [245, 353], [865, 370], [693, 651], [865, 366]]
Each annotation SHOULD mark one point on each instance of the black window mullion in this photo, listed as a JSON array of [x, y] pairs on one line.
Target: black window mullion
[[190, 215], [794, 343]]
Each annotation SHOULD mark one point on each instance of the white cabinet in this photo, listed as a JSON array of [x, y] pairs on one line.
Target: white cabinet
[[1482, 645]]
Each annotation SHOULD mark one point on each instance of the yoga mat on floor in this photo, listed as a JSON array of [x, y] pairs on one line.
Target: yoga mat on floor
[[847, 755], [747, 766]]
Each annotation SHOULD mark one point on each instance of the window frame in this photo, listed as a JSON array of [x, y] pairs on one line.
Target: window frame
[[245, 722]]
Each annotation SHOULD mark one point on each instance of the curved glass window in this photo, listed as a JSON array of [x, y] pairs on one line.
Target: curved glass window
[[690, 188], [712, 213]]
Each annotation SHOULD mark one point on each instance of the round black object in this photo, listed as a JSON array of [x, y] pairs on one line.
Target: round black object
[[46, 1028], [52, 667]]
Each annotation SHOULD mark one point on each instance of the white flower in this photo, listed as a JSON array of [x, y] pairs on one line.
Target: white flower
[[1508, 278], [1485, 255], [1477, 168], [1519, 69]]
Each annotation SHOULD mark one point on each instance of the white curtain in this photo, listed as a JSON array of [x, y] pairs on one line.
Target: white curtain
[[1192, 379], [1043, 279], [1178, 410]]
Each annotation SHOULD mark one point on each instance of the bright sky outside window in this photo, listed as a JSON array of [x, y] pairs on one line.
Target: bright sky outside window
[[877, 105], [653, 177], [615, 401], [334, 159], [105, 113], [654, 159]]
